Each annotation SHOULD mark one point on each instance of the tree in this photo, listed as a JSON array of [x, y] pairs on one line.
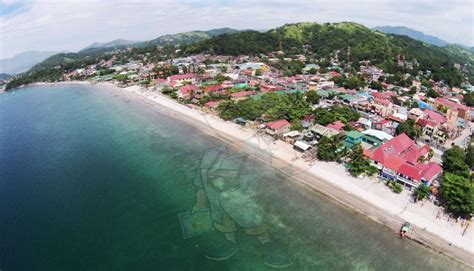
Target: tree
[[421, 192], [296, 125], [376, 85], [221, 78], [328, 148], [121, 77], [432, 93], [397, 188], [313, 97], [313, 71], [469, 98], [454, 162], [358, 164], [409, 128], [458, 195], [469, 160]]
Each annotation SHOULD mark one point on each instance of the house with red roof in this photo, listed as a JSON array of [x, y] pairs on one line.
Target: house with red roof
[[241, 95], [462, 110], [213, 104], [186, 92], [278, 127], [215, 89], [181, 78], [401, 160], [337, 125]]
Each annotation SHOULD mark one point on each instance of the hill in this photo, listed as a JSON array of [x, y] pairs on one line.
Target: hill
[[351, 42], [414, 34], [189, 37], [96, 50], [114, 43], [23, 61]]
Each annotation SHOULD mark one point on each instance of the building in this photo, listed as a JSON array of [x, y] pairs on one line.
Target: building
[[462, 110], [278, 127], [375, 137], [241, 95], [181, 78], [292, 136], [186, 92], [319, 131], [353, 138], [400, 160]]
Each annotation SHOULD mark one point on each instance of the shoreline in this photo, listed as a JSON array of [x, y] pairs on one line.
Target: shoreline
[[328, 179]]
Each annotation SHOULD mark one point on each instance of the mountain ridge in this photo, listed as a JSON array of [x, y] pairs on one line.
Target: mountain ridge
[[23, 61], [412, 33]]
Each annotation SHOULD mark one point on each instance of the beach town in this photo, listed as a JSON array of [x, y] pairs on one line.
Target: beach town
[[375, 146]]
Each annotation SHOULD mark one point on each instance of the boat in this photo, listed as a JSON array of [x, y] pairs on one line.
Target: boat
[[404, 229]]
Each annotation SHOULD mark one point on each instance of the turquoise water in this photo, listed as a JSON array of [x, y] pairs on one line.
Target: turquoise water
[[92, 181]]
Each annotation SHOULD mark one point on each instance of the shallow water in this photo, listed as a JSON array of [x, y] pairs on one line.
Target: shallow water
[[92, 181]]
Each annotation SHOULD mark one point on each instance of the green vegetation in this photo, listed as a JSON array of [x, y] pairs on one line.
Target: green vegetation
[[325, 116], [421, 192], [352, 82], [454, 162], [469, 99], [470, 155], [457, 188], [312, 97], [432, 94], [409, 128], [328, 148], [396, 187], [270, 106], [378, 86], [358, 164], [458, 195]]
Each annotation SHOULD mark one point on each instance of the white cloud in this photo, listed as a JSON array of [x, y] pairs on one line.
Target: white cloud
[[74, 24]]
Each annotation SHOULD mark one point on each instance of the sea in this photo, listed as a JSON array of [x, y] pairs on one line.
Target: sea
[[92, 180]]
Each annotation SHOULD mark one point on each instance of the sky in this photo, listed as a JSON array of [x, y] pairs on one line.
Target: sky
[[70, 25]]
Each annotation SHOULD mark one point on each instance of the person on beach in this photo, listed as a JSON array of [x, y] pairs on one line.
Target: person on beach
[[227, 182]]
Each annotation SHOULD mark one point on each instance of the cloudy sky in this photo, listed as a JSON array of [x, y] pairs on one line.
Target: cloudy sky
[[73, 24]]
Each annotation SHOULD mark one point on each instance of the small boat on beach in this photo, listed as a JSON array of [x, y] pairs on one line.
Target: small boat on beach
[[404, 229]]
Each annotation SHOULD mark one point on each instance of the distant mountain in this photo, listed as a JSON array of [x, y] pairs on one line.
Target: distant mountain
[[114, 43], [23, 61], [417, 35], [174, 39], [190, 37], [99, 48], [4, 76]]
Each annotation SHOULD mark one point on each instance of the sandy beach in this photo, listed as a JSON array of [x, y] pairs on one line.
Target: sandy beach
[[430, 226]]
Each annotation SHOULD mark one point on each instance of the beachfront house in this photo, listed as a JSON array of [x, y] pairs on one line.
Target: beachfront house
[[186, 92], [292, 136], [401, 160], [277, 128]]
